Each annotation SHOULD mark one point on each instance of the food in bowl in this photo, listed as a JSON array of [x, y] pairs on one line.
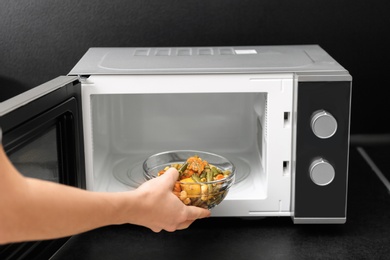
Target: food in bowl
[[204, 178]]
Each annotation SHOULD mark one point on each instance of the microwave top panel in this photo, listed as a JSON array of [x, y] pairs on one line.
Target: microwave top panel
[[304, 59]]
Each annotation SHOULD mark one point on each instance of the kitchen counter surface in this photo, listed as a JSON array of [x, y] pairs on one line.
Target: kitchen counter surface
[[365, 235]]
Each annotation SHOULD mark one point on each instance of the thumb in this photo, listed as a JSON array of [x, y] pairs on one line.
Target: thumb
[[171, 175]]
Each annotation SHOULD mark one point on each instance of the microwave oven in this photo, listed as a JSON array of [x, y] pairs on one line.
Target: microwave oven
[[281, 114]]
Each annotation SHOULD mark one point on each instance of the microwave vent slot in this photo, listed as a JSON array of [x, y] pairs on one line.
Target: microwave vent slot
[[163, 52], [142, 52], [226, 51], [205, 51], [183, 51]]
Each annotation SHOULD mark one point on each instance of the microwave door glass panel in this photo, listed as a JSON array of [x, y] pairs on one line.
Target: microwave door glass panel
[[38, 158]]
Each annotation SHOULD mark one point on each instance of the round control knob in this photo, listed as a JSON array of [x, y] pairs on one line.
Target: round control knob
[[321, 172], [323, 124]]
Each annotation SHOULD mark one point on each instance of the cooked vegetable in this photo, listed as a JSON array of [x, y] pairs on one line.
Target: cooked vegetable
[[199, 184]]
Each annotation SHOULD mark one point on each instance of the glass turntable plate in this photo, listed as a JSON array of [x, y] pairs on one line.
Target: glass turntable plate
[[130, 173]]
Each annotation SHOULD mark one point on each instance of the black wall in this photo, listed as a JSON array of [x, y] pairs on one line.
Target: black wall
[[40, 40]]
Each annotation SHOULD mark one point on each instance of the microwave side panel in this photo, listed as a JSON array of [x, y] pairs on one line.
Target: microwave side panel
[[119, 124]]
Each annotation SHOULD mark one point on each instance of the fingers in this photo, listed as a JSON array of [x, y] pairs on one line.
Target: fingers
[[185, 224], [194, 213], [181, 226], [197, 213]]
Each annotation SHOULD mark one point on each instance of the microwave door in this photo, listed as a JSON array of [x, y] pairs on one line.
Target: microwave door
[[46, 119], [43, 137], [26, 97]]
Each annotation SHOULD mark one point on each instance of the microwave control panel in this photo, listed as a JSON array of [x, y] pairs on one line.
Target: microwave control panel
[[322, 148]]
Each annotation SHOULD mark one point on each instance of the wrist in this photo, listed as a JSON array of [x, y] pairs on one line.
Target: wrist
[[125, 207]]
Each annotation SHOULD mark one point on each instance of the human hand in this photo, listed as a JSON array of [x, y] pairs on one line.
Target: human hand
[[159, 208]]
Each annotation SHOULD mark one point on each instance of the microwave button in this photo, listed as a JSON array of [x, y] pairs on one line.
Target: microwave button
[[321, 172], [323, 124]]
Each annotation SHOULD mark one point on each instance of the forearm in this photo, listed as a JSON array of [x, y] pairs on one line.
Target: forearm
[[32, 209], [48, 210]]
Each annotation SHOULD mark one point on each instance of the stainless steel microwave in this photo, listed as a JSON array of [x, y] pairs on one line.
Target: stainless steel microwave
[[281, 114]]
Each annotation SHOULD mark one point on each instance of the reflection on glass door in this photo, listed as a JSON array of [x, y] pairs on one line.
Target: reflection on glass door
[[39, 158]]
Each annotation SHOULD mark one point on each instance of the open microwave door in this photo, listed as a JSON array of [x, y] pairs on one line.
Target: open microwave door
[[43, 137]]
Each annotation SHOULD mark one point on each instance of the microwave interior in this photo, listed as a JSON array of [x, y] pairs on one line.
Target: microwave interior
[[247, 118]]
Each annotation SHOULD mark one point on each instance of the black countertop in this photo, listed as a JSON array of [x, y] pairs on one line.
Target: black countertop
[[365, 235]]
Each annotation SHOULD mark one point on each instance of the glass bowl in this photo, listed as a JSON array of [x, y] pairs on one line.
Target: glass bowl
[[204, 188]]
